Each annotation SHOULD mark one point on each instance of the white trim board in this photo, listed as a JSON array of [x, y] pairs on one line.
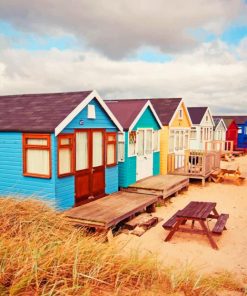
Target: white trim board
[[81, 106], [148, 104]]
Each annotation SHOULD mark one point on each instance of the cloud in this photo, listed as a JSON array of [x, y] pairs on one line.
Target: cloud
[[119, 28], [211, 75]]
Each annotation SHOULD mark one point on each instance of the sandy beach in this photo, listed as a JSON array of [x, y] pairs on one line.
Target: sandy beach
[[193, 249]]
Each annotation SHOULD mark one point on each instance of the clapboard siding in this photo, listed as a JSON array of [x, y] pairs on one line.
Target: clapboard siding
[[156, 163], [12, 181], [102, 119], [111, 179], [147, 120]]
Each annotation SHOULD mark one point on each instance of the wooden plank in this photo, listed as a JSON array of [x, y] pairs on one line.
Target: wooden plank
[[220, 224], [112, 209]]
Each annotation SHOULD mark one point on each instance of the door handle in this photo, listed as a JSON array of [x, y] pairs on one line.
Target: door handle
[[92, 170]]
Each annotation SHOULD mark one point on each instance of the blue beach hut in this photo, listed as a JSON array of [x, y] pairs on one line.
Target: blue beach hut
[[138, 144], [60, 147]]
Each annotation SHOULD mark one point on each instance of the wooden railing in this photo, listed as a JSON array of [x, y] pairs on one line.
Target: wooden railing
[[197, 163], [219, 146]]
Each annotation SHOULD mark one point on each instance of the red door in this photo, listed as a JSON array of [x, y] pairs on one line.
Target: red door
[[90, 165]]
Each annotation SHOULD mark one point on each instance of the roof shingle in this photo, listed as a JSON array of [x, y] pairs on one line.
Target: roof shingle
[[37, 112]]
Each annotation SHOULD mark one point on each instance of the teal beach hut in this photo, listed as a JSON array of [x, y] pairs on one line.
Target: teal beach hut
[[138, 144], [59, 147]]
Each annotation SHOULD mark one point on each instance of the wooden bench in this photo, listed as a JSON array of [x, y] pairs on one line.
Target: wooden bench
[[220, 224], [169, 223]]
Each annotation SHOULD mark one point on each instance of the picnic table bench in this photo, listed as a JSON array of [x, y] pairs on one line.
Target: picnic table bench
[[200, 212]]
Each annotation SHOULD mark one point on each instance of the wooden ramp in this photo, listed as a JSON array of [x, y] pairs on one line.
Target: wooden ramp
[[108, 211], [163, 186]]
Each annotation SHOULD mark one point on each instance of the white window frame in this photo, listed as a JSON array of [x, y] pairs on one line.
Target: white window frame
[[132, 155], [145, 141], [123, 142], [195, 130], [158, 138]]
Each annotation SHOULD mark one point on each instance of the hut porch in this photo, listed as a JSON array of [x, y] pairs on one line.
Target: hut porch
[[162, 186], [194, 164], [107, 212]]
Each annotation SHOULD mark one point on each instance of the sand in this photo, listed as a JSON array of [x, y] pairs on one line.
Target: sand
[[193, 249]]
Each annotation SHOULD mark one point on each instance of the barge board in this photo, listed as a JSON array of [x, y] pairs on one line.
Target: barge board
[[162, 186], [108, 211]]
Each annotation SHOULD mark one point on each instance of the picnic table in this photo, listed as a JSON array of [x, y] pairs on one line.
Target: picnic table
[[200, 212], [230, 173]]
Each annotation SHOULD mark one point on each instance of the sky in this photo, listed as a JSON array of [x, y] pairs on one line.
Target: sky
[[194, 49]]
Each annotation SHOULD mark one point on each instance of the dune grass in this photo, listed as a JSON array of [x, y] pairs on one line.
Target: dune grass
[[42, 254]]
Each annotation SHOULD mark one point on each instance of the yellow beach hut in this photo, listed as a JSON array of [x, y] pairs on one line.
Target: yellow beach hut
[[175, 134]]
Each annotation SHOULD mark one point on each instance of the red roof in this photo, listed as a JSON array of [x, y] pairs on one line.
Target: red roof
[[126, 111], [37, 112]]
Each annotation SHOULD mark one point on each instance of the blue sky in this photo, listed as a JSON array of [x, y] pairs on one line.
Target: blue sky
[[198, 52]]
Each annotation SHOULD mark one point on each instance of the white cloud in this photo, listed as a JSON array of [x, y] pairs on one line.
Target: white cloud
[[210, 75], [118, 28]]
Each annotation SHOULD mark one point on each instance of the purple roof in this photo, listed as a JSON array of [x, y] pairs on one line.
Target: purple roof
[[197, 113], [37, 112], [126, 111], [165, 108]]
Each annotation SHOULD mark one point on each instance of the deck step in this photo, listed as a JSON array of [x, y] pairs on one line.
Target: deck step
[[169, 223], [220, 224]]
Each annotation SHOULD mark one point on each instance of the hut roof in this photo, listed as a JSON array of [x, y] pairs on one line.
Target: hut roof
[[37, 112], [197, 113]]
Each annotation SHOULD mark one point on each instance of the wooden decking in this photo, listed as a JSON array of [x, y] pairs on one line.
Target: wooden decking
[[162, 186], [108, 211]]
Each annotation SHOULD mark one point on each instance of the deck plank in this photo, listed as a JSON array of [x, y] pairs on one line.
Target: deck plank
[[111, 209]]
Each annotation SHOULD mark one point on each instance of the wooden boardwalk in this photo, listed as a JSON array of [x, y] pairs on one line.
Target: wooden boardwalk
[[108, 211], [163, 186]]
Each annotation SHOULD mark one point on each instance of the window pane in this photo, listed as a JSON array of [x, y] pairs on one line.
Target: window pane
[[37, 161], [65, 161], [97, 149], [111, 138], [156, 140], [132, 143], [171, 143], [140, 142], [120, 137], [149, 138], [65, 141], [81, 151], [41, 142], [110, 153], [120, 151]]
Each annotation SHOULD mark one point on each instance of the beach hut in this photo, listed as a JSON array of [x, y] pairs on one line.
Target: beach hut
[[202, 130], [174, 138], [219, 129], [232, 130], [60, 147], [237, 133], [138, 153]]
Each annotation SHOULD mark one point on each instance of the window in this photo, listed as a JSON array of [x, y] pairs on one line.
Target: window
[[171, 142], [149, 142], [37, 155], [111, 151], [156, 142], [65, 155], [207, 118], [193, 133], [141, 143], [240, 130], [91, 112], [186, 140], [180, 114], [121, 150], [132, 143]]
